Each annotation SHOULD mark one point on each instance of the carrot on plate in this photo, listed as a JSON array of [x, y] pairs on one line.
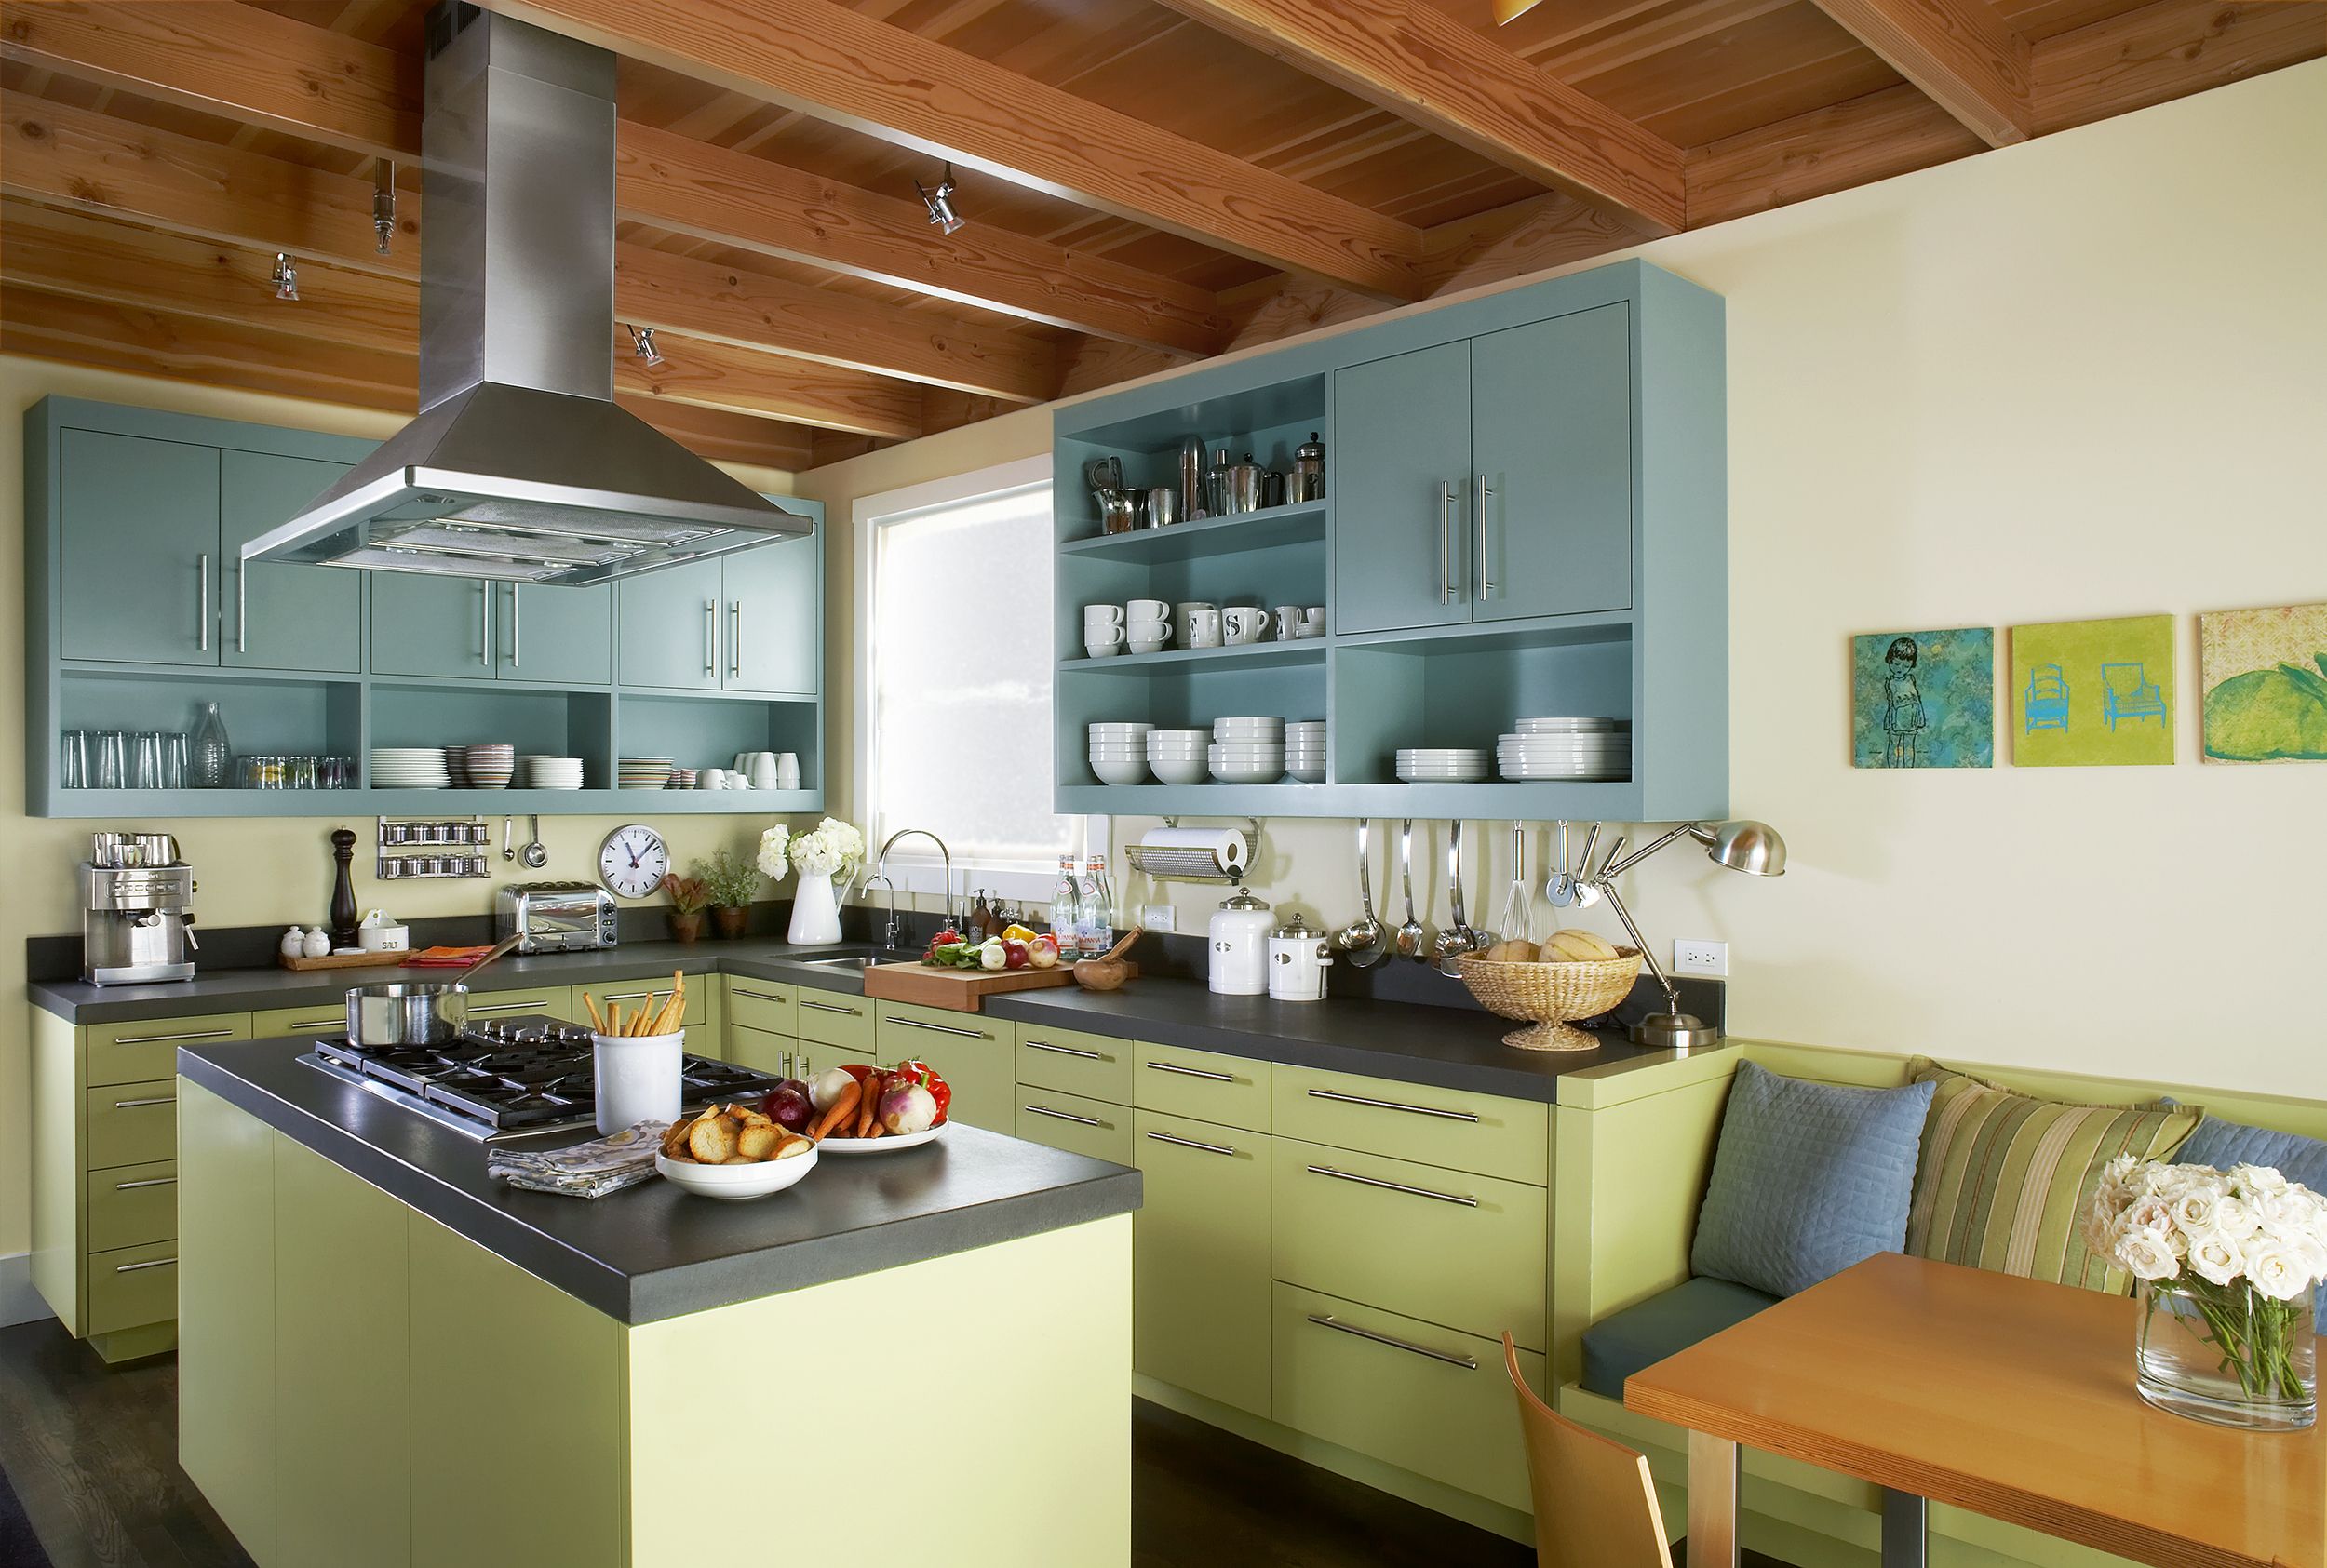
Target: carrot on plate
[[840, 1112]]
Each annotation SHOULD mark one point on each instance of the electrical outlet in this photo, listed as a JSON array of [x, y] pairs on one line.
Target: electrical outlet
[[1159, 916], [1697, 956]]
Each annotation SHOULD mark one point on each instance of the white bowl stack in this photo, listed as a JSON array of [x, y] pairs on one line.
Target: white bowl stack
[[409, 768], [1442, 765], [1247, 750], [1119, 752], [1567, 748], [491, 766], [552, 772], [1305, 750], [1179, 756]]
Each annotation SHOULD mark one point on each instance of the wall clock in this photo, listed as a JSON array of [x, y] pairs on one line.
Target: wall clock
[[632, 860]]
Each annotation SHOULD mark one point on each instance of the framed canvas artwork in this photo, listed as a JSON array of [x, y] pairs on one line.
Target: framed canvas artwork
[[1923, 699], [2093, 693], [2263, 673]]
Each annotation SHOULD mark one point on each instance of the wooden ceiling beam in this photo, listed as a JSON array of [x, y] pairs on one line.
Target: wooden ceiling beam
[[245, 63], [2166, 50], [836, 64], [1963, 55], [1419, 61], [1882, 134]]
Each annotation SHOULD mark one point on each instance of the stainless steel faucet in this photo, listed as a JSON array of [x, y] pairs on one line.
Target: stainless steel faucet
[[891, 937]]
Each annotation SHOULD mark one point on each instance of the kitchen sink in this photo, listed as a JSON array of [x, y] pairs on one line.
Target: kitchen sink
[[846, 960]]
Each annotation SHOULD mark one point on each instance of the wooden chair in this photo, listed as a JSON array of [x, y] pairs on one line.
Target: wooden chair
[[1594, 1504]]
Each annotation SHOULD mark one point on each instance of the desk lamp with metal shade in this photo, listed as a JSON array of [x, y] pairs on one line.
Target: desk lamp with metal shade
[[1751, 847]]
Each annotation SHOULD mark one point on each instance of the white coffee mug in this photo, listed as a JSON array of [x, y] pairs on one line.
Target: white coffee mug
[[787, 769], [1143, 631], [739, 780], [711, 778], [1147, 610], [742, 764], [1288, 621], [1312, 622], [1242, 624], [1184, 621], [1203, 628], [763, 769], [1102, 615]]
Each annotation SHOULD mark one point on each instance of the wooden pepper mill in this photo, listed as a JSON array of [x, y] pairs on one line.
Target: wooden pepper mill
[[343, 889]]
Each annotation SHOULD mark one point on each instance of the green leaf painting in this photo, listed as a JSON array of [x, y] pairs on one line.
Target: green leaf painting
[[2264, 674], [2093, 693], [1923, 699]]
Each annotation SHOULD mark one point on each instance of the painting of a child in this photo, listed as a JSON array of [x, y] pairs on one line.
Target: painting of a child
[[1923, 699]]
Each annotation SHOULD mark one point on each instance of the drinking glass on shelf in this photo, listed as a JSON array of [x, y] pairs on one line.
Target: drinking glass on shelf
[[147, 755], [303, 772], [177, 764], [72, 760], [113, 759]]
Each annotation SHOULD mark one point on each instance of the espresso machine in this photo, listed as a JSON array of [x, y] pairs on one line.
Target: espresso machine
[[136, 910]]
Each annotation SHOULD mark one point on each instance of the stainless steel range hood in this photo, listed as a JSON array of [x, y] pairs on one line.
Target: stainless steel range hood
[[519, 465]]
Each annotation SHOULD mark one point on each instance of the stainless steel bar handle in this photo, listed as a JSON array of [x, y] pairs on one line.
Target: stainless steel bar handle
[[242, 606], [756, 996], [1445, 541], [202, 602], [634, 995], [1393, 1186], [149, 1180], [1327, 1321], [484, 623], [133, 1267], [153, 1100], [1387, 1105], [830, 1006], [710, 636], [1065, 1050], [1193, 1072], [189, 1033], [940, 1028], [512, 1007], [1191, 1142], [736, 639], [1487, 583], [316, 1023], [513, 625], [1065, 1116]]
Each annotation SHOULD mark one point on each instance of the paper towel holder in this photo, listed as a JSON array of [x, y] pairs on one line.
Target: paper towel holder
[[1170, 865]]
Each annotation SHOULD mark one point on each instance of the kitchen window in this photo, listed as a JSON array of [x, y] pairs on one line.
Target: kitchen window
[[955, 652]]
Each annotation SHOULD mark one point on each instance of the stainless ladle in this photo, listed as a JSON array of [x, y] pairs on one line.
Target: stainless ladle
[[1409, 935], [1361, 940], [1457, 940]]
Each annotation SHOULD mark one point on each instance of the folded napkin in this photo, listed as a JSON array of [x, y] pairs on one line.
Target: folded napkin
[[591, 1170], [446, 958]]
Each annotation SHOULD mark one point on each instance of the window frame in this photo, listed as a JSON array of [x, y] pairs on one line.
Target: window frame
[[919, 870]]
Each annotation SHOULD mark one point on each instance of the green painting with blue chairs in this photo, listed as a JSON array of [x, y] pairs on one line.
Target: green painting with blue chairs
[[2093, 693]]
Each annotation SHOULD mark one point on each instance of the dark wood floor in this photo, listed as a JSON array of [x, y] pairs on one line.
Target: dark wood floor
[[93, 1455]]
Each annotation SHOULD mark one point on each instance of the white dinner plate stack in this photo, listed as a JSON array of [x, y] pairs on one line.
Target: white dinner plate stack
[[552, 772], [1179, 756], [1442, 765], [1247, 750], [1567, 748], [1119, 752], [1305, 750], [409, 768]]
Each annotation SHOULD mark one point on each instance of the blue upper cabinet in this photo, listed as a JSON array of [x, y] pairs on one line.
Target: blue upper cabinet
[[436, 626], [560, 635], [671, 631], [1402, 430], [275, 616], [775, 601], [138, 549]]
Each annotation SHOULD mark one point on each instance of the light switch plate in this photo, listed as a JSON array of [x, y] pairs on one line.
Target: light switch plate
[[1698, 956], [1159, 916]]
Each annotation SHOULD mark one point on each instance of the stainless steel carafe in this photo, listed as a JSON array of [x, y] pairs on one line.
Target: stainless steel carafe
[[1309, 471]]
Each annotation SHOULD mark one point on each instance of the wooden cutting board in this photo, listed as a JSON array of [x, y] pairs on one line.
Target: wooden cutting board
[[959, 990]]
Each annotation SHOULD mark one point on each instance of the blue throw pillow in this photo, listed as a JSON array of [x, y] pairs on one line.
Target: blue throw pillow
[[2223, 1143], [1809, 1179]]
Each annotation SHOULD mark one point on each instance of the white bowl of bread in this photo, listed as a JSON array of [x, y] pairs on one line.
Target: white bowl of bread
[[1573, 975], [728, 1151]]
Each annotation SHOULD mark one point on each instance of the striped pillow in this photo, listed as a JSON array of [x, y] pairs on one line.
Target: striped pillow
[[2003, 1179]]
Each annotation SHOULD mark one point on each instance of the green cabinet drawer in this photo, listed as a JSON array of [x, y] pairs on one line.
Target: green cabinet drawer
[[760, 1050], [1444, 1246], [969, 1052], [1200, 1260], [835, 1018], [132, 1205], [316, 1018], [632, 995], [131, 1124], [129, 1287], [548, 1001], [1075, 1124], [1462, 1132], [1231, 1090], [1098, 1067], [1411, 1394], [763, 1005], [148, 1048], [814, 1056]]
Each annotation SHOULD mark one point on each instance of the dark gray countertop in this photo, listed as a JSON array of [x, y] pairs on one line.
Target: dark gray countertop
[[653, 1252], [1450, 1047]]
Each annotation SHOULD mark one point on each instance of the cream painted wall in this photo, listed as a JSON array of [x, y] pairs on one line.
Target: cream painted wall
[[2085, 376], [253, 871]]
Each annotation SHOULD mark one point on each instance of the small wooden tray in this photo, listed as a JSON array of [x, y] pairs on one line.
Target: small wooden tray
[[959, 990], [344, 960]]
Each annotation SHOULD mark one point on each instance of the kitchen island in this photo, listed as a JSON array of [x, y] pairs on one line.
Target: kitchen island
[[389, 1358]]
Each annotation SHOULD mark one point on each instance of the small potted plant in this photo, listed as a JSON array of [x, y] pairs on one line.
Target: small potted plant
[[731, 883], [687, 899]]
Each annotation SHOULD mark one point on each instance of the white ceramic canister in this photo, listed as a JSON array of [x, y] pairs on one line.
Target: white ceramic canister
[[637, 1078], [1297, 961], [1239, 934]]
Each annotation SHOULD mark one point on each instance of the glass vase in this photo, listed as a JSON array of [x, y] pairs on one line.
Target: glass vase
[[2227, 1354], [213, 759]]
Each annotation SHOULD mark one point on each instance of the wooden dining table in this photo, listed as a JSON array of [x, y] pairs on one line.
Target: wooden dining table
[[2012, 1397]]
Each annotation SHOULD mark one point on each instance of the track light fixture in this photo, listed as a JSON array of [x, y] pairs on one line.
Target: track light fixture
[[384, 205], [642, 345], [285, 276], [940, 201]]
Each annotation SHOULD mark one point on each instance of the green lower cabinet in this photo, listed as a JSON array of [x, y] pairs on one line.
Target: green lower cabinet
[[132, 1205], [760, 1050], [1200, 1250], [132, 1286], [548, 1001], [834, 1017], [1408, 1393], [813, 1056], [969, 1052], [1097, 1128], [226, 1328]]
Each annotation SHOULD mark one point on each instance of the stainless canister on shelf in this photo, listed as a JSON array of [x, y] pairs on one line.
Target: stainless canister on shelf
[[1242, 488], [1163, 506], [1309, 471]]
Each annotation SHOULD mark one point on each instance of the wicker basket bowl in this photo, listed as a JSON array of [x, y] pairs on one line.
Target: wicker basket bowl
[[1550, 994]]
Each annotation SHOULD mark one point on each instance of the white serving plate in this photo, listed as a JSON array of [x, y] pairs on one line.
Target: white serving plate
[[883, 1145], [735, 1182]]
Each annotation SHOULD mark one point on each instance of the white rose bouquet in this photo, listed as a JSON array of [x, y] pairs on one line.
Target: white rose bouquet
[[2245, 1248], [773, 861], [834, 849]]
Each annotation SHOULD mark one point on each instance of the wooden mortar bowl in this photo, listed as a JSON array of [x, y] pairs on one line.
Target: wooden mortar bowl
[[1101, 974]]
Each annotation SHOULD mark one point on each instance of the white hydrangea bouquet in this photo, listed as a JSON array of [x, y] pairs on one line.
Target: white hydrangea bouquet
[[2229, 1262], [834, 849], [774, 859]]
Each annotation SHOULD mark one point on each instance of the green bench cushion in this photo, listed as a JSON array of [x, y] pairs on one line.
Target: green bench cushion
[[1642, 1336]]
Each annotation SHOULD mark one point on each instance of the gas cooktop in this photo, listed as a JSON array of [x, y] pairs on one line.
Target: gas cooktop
[[512, 1078]]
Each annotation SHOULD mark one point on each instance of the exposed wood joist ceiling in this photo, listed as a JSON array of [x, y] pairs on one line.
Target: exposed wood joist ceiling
[[1147, 180]]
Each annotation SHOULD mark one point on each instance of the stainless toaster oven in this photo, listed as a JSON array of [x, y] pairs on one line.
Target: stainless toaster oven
[[555, 917]]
